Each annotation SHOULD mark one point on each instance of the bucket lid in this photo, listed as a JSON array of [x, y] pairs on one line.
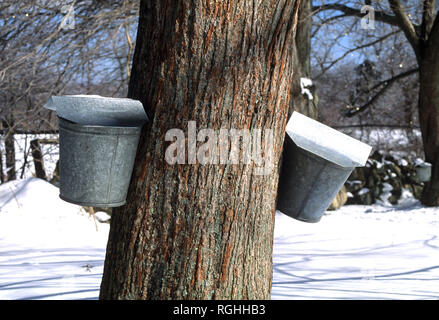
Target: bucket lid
[[419, 163], [98, 110], [327, 142]]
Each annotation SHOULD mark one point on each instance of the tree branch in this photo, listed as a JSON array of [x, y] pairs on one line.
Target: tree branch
[[348, 11], [322, 23], [400, 19], [406, 25], [387, 84], [397, 77], [427, 19], [355, 49]]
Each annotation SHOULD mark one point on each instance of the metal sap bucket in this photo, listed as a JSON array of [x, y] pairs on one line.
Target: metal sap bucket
[[317, 160], [98, 140], [423, 171]]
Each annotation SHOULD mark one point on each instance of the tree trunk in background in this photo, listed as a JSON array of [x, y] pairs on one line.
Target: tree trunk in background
[[2, 177], [37, 155], [302, 64], [10, 149], [429, 112], [203, 231]]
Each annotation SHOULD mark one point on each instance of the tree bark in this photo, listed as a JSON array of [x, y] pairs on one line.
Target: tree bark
[[193, 231], [2, 177], [429, 112], [302, 64], [37, 155], [10, 149]]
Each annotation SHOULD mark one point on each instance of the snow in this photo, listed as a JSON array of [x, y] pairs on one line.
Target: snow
[[399, 143], [358, 252], [388, 162], [376, 136], [102, 216], [379, 165], [387, 193], [403, 163], [423, 165], [418, 162], [305, 83], [353, 182], [326, 142], [50, 249]]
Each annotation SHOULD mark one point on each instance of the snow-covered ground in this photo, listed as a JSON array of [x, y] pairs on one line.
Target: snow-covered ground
[[50, 249], [359, 252]]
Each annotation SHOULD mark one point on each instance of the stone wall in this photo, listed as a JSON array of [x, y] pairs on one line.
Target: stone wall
[[384, 178]]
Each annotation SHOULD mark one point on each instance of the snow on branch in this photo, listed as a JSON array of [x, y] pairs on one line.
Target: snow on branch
[[305, 84]]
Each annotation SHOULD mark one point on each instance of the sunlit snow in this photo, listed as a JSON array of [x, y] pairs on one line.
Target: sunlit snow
[[50, 249]]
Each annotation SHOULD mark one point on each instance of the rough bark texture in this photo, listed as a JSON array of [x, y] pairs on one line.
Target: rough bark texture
[[37, 155], [10, 149], [202, 231], [429, 111], [302, 65]]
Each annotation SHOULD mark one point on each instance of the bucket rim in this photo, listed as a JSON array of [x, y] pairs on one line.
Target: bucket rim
[[318, 219], [98, 110], [336, 146], [67, 124], [318, 158], [92, 204]]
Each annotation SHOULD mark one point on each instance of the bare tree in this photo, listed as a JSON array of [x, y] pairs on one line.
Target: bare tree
[[420, 26], [61, 47]]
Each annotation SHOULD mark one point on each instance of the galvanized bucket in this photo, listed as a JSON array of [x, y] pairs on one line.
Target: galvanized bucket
[[96, 163], [98, 138], [423, 171], [317, 160], [308, 183]]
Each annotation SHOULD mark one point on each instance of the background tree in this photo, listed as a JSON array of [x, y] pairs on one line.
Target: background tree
[[203, 231], [59, 47], [302, 63], [420, 27]]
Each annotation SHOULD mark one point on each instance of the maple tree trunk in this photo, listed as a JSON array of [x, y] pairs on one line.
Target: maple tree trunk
[[193, 231], [429, 112]]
